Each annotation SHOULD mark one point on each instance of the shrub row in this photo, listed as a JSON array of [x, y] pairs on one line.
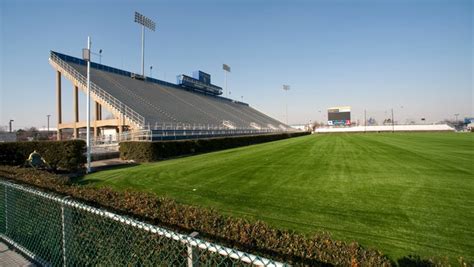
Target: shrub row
[[152, 151], [67, 155], [251, 236]]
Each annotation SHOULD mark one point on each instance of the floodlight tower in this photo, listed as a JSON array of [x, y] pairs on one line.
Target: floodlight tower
[[226, 69], [286, 88], [150, 24]]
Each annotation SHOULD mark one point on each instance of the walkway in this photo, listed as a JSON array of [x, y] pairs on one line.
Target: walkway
[[10, 258]]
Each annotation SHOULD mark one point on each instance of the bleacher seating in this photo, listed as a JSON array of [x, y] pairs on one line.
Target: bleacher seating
[[162, 103]]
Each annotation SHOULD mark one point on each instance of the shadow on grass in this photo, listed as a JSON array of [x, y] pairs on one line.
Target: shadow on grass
[[414, 261], [79, 179]]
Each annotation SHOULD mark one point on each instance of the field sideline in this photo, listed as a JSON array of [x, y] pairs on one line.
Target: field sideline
[[404, 193]]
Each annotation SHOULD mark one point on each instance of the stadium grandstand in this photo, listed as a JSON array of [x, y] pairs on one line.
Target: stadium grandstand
[[150, 109]]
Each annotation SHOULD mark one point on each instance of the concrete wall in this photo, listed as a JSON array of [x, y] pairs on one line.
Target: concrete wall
[[387, 128]]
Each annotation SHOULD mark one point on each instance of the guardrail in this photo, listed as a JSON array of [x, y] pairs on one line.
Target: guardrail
[[58, 231], [113, 102]]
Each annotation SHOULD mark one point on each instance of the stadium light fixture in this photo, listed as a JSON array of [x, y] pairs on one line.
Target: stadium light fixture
[[150, 24], [86, 54], [286, 88], [226, 69], [97, 54]]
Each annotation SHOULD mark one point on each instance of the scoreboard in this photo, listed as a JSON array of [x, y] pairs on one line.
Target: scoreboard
[[339, 116]]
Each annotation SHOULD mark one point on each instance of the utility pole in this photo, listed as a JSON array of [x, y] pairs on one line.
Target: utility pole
[[10, 125], [365, 121], [226, 69], [48, 122], [393, 123], [86, 54], [286, 88]]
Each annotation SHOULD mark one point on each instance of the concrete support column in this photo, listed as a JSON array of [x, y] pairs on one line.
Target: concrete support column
[[58, 101], [76, 111], [97, 118], [100, 111], [120, 128]]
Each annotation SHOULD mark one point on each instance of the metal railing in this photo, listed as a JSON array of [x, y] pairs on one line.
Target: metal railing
[[98, 92], [195, 126], [191, 131], [59, 231]]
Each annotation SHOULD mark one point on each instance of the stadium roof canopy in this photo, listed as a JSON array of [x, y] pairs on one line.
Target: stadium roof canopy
[[144, 101]]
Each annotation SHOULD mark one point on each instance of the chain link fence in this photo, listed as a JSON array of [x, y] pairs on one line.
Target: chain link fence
[[58, 231]]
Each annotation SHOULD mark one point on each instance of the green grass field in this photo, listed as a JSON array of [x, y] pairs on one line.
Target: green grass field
[[401, 193]]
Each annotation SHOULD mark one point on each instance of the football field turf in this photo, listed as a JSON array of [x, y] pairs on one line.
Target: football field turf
[[404, 193]]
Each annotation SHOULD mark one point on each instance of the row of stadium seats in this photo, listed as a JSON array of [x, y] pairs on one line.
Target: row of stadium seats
[[161, 104]]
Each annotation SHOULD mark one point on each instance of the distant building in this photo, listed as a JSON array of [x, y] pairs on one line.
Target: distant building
[[45, 129], [470, 127], [469, 124], [468, 121], [8, 137]]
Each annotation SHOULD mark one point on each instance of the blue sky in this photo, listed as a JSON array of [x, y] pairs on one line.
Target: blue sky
[[413, 56]]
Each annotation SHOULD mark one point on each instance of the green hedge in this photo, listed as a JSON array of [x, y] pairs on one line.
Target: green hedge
[[251, 236], [67, 155], [152, 151]]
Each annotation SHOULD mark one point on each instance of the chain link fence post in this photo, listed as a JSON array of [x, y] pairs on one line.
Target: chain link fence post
[[6, 207], [193, 254], [63, 233]]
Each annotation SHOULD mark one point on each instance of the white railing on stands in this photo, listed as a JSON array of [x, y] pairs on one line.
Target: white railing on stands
[[140, 135], [189, 126], [255, 126], [98, 92], [228, 124], [166, 131], [272, 127], [181, 130]]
